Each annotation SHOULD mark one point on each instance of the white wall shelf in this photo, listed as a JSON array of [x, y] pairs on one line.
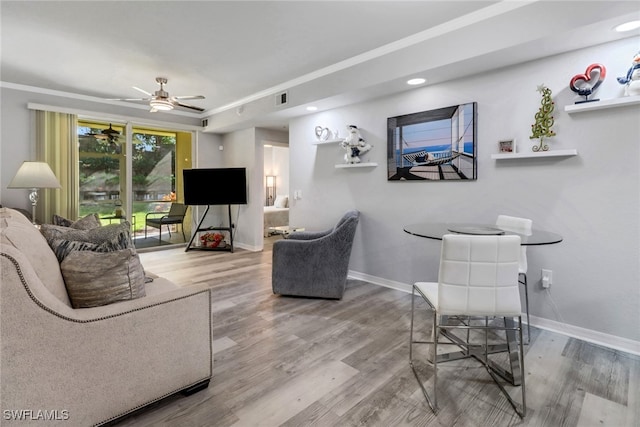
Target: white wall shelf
[[532, 155], [328, 141], [603, 104], [356, 165]]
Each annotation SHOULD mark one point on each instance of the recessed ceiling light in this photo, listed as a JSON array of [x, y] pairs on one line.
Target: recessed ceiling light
[[312, 108], [417, 81], [628, 26]]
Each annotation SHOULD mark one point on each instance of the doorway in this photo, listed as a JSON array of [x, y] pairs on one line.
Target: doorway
[[276, 186]]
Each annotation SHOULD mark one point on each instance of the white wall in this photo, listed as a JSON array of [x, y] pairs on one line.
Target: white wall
[[243, 149], [592, 199], [207, 154]]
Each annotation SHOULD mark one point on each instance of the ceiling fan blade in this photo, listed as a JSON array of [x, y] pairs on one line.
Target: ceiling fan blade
[[94, 136], [189, 97], [192, 107], [142, 90], [129, 99]]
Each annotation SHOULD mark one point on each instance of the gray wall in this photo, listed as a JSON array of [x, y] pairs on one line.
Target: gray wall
[[592, 199]]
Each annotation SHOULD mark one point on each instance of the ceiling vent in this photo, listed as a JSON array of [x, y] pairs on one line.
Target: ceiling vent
[[282, 98], [205, 123]]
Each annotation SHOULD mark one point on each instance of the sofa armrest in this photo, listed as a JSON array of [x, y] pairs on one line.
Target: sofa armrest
[[98, 363]]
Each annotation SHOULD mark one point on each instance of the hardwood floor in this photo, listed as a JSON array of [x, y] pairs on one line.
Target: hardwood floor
[[282, 361]]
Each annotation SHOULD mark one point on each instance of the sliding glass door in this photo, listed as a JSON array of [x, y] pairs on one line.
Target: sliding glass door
[[102, 167], [158, 157]]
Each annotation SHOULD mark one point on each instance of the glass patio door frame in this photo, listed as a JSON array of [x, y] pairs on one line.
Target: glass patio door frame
[[126, 178]]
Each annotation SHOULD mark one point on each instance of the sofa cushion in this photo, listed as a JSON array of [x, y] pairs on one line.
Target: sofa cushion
[[94, 279], [63, 240], [85, 223], [20, 233]]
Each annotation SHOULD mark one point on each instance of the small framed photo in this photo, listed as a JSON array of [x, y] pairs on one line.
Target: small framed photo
[[507, 146]]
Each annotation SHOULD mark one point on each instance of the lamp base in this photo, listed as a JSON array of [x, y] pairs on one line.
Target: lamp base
[[33, 196]]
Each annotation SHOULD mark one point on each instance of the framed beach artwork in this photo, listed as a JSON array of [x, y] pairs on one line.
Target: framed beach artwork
[[434, 145]]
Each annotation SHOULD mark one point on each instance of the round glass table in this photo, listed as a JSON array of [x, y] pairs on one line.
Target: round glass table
[[435, 230]]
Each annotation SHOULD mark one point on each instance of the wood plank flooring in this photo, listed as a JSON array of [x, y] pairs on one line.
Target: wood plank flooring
[[282, 361]]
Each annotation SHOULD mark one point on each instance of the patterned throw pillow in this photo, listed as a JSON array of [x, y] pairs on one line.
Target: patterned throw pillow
[[86, 223], [94, 279], [64, 240]]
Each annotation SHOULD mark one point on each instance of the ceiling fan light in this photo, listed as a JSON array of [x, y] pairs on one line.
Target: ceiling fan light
[[161, 105]]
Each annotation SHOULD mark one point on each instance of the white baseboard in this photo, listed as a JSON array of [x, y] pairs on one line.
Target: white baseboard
[[594, 337], [380, 281], [588, 335], [247, 247]]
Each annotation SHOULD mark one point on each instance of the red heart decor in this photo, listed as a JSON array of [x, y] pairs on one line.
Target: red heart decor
[[587, 87]]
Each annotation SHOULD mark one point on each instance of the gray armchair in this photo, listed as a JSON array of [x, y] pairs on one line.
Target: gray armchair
[[314, 264]]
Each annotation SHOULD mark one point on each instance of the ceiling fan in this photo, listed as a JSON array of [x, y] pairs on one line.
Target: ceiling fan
[[109, 136], [160, 99]]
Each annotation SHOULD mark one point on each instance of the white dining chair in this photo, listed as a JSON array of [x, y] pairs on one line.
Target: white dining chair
[[521, 226], [477, 279]]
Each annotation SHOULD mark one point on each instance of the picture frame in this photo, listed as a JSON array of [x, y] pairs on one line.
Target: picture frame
[[507, 146], [433, 145]]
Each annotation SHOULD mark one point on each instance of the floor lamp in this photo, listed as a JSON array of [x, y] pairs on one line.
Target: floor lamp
[[34, 175], [271, 190]]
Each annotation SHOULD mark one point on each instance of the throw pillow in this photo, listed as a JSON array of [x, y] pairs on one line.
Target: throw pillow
[[94, 279], [85, 223], [63, 240], [281, 202]]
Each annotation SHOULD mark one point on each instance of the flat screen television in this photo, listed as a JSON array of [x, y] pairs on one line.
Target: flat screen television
[[221, 186]]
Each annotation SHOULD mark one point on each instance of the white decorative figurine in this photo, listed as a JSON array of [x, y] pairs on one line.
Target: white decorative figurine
[[632, 79], [355, 145]]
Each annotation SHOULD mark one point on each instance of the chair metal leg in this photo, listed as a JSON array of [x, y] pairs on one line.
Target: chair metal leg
[[436, 334], [526, 304], [432, 404], [521, 409], [413, 293], [522, 387], [516, 376]]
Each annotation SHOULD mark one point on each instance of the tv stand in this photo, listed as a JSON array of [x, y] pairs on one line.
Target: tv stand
[[230, 228]]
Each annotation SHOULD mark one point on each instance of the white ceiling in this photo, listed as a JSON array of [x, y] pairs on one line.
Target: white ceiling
[[239, 54]]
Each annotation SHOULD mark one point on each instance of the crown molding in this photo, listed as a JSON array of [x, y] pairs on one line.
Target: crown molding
[[79, 97]]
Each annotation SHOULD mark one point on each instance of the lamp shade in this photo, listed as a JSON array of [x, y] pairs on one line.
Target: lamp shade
[[34, 175]]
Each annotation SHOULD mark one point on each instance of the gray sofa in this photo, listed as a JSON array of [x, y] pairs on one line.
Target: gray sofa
[[90, 366], [315, 264]]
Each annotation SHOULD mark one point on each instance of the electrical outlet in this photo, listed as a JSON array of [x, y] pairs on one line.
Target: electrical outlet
[[547, 278]]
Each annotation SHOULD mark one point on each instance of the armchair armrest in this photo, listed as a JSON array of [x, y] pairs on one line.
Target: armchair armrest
[[155, 213], [308, 235]]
